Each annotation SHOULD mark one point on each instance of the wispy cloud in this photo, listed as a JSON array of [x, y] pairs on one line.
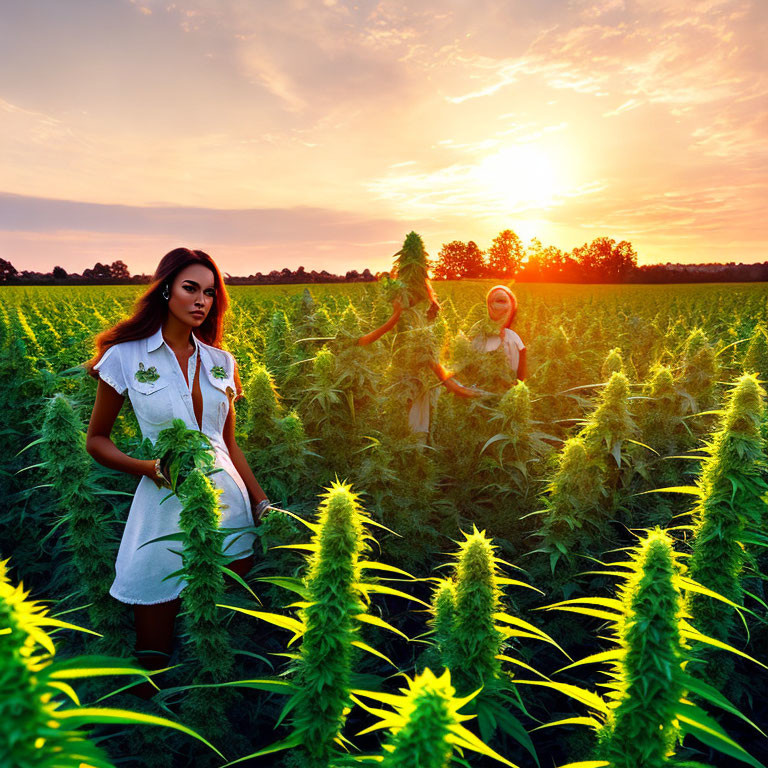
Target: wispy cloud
[[472, 117]]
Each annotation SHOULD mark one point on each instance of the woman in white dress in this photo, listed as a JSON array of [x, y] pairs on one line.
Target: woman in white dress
[[494, 357], [502, 310], [167, 358]]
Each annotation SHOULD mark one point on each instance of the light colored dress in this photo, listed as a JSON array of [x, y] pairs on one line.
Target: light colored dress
[[512, 345], [140, 572]]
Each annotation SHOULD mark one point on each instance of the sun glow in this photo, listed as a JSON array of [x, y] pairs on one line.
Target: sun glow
[[520, 177]]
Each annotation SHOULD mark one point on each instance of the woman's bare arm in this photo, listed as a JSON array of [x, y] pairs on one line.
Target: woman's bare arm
[[522, 364], [369, 338], [98, 442], [255, 493]]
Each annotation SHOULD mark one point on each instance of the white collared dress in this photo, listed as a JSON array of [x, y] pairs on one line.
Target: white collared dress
[[512, 345], [140, 571]]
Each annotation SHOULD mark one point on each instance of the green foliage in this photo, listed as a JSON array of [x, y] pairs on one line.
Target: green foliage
[[756, 357], [699, 371], [443, 610], [279, 346], [647, 710], [613, 363], [515, 453], [274, 441], [611, 425], [202, 561], [475, 639], [182, 451], [732, 502], [288, 458], [647, 684], [39, 727], [425, 726], [88, 525], [334, 600], [263, 407], [205, 634], [411, 264], [661, 416], [480, 463], [574, 502], [334, 605], [471, 626], [348, 326]]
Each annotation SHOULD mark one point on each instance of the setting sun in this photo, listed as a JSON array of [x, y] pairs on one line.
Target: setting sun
[[518, 178], [318, 133]]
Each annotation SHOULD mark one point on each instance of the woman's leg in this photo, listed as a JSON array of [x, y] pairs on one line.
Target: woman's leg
[[154, 638], [155, 629], [240, 567]]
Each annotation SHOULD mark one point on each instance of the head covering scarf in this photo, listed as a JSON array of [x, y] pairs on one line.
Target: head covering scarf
[[513, 308]]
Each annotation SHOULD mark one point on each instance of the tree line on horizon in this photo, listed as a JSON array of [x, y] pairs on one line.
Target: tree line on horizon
[[601, 261], [117, 273]]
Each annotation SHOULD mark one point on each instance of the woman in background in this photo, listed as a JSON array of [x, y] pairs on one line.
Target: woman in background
[[502, 310], [493, 357]]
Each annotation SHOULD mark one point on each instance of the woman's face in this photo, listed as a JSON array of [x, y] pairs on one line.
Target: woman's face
[[192, 295], [499, 306]]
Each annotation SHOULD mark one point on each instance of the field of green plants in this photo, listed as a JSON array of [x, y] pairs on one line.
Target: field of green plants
[[568, 572]]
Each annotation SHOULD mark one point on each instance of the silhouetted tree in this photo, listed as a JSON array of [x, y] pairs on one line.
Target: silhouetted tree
[[59, 273], [457, 259], [505, 254], [119, 269], [622, 261], [7, 270], [603, 260], [449, 261]]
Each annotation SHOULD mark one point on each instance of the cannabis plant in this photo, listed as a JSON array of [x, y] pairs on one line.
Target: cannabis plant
[[274, 440], [425, 725], [573, 517], [182, 451], [647, 712], [731, 504], [333, 606], [660, 416], [610, 428], [411, 265], [518, 448], [475, 638], [613, 363], [471, 627], [756, 356], [88, 525], [203, 566], [42, 722], [698, 375], [278, 347]]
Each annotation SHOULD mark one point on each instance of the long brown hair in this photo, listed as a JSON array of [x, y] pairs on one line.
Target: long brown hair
[[151, 309]]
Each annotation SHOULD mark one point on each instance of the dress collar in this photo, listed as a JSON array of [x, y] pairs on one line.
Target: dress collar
[[156, 340]]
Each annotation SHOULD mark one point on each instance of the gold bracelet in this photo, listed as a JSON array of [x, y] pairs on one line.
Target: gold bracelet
[[159, 473]]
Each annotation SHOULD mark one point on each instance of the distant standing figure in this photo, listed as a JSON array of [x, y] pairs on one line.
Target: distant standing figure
[[502, 310]]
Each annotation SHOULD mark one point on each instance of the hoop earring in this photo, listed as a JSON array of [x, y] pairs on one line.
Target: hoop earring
[[166, 293]]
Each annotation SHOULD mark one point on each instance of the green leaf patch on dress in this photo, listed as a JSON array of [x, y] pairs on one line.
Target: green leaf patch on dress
[[219, 372], [146, 375]]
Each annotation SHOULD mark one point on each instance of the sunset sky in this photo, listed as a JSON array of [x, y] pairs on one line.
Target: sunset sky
[[275, 133]]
